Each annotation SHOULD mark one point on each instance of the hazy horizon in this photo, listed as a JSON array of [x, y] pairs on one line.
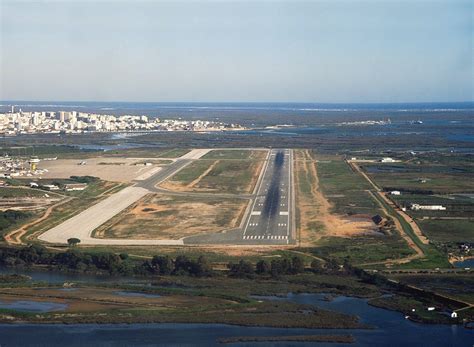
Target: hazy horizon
[[241, 102], [290, 52]]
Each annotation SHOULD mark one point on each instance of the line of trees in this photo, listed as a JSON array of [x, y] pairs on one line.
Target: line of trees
[[122, 264], [275, 268]]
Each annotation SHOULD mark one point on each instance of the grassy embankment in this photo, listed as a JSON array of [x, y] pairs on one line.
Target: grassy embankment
[[432, 257]]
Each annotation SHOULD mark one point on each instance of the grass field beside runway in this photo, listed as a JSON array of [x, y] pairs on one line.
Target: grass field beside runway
[[344, 188], [172, 217], [219, 176]]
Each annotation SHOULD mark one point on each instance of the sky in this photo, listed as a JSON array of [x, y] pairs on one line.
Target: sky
[[237, 51]]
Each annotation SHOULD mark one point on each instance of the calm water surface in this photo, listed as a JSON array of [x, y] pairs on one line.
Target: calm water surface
[[391, 329], [465, 263]]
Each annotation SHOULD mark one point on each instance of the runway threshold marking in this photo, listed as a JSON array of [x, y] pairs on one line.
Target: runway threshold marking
[[258, 201], [258, 190]]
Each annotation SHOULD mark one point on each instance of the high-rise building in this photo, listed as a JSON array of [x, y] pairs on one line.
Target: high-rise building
[[35, 119]]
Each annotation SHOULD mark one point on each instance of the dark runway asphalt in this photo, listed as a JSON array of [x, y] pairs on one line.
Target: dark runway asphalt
[[269, 220]]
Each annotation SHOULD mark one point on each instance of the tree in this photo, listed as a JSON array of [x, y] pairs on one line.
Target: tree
[[73, 241], [297, 265], [201, 267], [332, 265], [280, 267], [241, 269], [316, 266], [164, 263], [262, 267], [107, 261], [182, 265]]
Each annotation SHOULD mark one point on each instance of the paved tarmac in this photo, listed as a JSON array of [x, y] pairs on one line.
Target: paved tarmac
[[269, 221]]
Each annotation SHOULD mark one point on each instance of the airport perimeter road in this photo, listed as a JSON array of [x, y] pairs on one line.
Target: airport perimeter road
[[270, 218], [82, 225]]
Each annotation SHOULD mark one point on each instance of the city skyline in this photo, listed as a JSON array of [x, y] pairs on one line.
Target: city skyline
[[328, 52]]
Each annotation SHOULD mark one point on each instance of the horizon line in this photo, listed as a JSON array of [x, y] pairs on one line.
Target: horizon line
[[243, 102]]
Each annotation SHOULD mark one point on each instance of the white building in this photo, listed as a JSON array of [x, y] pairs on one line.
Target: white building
[[395, 192], [417, 207], [69, 187], [50, 187]]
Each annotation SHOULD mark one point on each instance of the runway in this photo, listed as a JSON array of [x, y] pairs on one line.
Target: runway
[[268, 221], [270, 218]]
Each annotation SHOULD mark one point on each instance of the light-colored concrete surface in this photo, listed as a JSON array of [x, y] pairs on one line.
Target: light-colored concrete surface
[[82, 225], [109, 169], [195, 153], [148, 174]]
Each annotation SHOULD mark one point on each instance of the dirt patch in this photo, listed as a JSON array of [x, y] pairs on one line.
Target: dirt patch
[[315, 218], [171, 217]]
